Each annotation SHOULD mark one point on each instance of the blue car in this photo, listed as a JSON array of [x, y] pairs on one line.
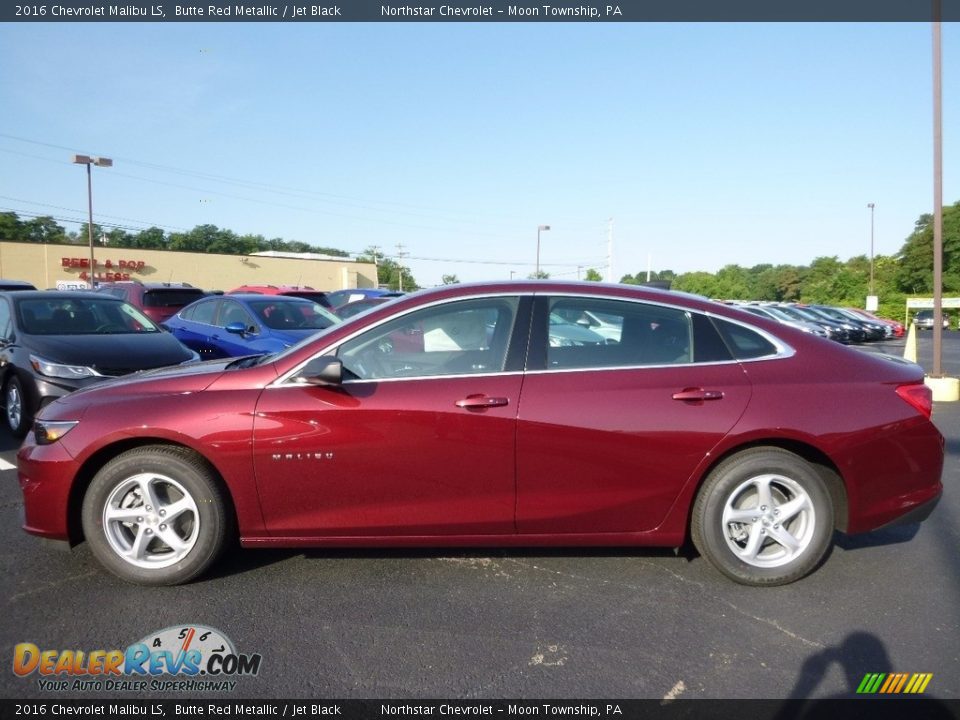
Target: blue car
[[239, 325]]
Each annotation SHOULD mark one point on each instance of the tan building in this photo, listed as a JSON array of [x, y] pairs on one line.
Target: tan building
[[65, 266]]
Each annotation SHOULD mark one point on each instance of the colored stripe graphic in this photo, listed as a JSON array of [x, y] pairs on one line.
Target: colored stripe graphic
[[894, 683]]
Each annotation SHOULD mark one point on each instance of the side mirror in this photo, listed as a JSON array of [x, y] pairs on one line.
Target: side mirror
[[324, 370], [237, 328]]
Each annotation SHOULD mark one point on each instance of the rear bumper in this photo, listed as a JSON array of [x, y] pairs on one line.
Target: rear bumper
[[918, 514]]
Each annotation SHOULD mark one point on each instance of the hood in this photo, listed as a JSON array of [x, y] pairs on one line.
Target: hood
[[292, 337], [189, 378], [111, 354]]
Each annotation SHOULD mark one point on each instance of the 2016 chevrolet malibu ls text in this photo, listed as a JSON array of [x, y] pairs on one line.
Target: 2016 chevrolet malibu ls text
[[449, 418]]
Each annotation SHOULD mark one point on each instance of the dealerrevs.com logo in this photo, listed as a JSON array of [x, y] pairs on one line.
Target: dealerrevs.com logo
[[184, 658]]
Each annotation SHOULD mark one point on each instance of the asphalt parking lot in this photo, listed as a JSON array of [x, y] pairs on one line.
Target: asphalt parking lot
[[521, 624]]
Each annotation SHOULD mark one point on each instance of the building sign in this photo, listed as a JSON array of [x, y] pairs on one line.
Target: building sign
[[927, 303], [112, 269]]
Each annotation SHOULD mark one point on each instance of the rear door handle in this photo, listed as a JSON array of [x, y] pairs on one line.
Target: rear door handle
[[697, 394], [472, 402]]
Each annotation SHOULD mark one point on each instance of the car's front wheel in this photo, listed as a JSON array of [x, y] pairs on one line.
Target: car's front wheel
[[18, 412], [155, 515], [763, 517]]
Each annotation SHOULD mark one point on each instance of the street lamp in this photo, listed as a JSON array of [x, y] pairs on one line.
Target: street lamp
[[99, 162], [540, 228], [871, 206]]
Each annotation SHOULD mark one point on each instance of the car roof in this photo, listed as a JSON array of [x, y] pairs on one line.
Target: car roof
[[271, 298], [64, 295]]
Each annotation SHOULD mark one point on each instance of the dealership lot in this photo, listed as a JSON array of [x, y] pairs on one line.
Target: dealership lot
[[580, 623]]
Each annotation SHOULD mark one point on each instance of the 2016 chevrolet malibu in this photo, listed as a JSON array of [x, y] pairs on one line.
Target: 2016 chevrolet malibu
[[448, 418]]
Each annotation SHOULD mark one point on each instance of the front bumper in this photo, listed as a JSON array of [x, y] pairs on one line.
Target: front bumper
[[46, 474]]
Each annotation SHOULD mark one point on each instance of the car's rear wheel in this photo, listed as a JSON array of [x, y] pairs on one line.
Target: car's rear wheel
[[155, 515], [18, 411], [763, 517]]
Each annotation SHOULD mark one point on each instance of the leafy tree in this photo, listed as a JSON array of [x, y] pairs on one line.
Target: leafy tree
[[915, 274], [539, 275], [389, 272], [450, 279], [593, 276], [11, 229], [150, 239], [43, 229]]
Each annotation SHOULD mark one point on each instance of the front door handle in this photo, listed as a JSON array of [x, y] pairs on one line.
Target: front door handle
[[697, 394], [473, 402]]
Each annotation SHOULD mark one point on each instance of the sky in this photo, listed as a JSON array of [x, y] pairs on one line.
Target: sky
[[693, 146]]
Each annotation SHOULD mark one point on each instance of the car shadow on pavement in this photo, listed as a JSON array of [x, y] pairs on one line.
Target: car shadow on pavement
[[238, 561], [885, 536]]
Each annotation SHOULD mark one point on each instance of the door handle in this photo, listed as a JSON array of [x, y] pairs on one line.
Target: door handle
[[473, 402], [697, 394]]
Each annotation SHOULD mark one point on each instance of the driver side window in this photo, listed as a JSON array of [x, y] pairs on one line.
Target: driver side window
[[462, 338]]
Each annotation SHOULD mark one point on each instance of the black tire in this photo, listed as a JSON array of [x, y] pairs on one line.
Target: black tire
[[750, 545], [134, 548], [18, 407]]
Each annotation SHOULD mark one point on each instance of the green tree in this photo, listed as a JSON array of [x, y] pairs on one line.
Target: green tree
[[450, 280], [11, 229], [539, 275], [915, 275], [44, 229], [150, 239], [593, 276], [389, 272]]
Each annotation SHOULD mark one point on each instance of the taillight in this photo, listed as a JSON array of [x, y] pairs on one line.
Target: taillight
[[919, 396]]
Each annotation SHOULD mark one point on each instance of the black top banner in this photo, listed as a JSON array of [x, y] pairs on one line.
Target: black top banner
[[486, 11]]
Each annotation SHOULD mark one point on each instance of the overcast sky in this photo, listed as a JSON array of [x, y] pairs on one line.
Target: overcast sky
[[707, 144]]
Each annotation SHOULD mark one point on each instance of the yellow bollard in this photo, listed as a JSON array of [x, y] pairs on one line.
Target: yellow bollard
[[910, 350]]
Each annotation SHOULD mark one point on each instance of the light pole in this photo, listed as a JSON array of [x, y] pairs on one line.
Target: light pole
[[540, 228], [871, 206], [100, 162]]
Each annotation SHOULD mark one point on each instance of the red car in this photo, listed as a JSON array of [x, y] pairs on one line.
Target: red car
[[158, 301], [689, 419]]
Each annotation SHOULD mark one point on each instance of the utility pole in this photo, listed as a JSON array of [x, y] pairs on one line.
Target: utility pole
[[609, 277], [937, 197], [400, 256], [376, 263]]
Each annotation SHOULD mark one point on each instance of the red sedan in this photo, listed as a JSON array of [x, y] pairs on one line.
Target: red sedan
[[488, 427]]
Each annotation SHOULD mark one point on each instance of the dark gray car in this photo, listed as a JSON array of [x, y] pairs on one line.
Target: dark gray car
[[52, 343]]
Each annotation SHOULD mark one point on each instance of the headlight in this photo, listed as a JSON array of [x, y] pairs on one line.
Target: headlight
[[69, 372], [46, 432]]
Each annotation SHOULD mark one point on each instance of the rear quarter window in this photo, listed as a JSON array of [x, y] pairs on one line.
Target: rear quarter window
[[744, 343]]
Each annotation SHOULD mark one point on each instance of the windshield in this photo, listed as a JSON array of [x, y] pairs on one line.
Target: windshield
[[292, 315], [171, 297], [94, 315]]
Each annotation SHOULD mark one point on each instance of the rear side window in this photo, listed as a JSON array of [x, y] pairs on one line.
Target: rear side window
[[201, 312], [597, 333], [170, 297], [744, 343]]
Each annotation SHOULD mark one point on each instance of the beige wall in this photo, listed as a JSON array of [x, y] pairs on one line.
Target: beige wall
[[43, 266]]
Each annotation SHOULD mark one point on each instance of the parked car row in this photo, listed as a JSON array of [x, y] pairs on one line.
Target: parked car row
[[844, 325]]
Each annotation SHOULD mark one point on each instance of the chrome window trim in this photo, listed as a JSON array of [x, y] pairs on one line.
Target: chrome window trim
[[783, 349]]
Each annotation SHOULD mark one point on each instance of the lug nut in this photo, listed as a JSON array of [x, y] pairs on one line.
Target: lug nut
[[163, 513], [139, 519], [149, 531], [163, 527]]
